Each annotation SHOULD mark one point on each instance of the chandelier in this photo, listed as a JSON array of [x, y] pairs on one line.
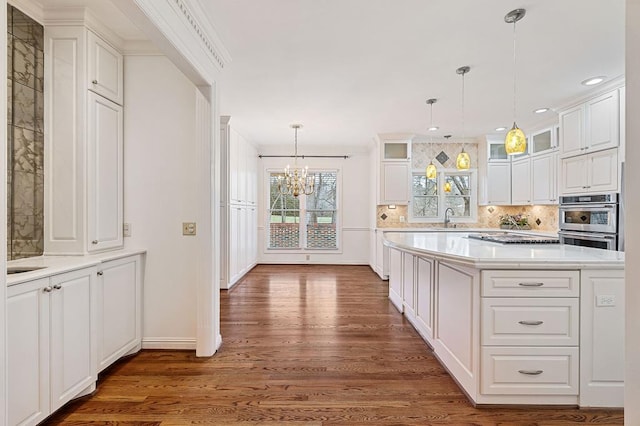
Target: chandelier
[[296, 180]]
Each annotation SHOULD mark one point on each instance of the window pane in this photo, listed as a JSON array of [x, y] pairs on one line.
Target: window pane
[[425, 206], [459, 198], [459, 184], [424, 186], [324, 194], [461, 205], [284, 217], [321, 229]]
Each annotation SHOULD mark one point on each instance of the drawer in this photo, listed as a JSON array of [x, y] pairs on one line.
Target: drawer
[[530, 321], [529, 371], [526, 283]]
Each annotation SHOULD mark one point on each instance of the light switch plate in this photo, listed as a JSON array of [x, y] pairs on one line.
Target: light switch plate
[[188, 228], [126, 229], [605, 300]]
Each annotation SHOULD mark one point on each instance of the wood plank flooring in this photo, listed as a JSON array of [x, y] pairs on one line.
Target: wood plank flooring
[[312, 345]]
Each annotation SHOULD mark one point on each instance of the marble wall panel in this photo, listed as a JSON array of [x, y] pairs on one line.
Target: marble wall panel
[[25, 144]]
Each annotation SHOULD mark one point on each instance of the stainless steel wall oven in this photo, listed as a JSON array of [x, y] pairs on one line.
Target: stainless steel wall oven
[[591, 221]]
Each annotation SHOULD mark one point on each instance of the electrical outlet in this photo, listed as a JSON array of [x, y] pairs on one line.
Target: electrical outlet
[[402, 219], [188, 228], [605, 300], [308, 257], [126, 229]]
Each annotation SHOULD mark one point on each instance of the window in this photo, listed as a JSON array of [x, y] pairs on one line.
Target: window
[[450, 189], [318, 230]]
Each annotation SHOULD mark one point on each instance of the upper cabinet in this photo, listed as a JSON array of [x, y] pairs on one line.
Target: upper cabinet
[[393, 150], [83, 142], [590, 127], [105, 69], [543, 140], [395, 171], [499, 184]]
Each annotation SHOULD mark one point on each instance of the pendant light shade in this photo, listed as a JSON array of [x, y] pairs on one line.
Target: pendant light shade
[[515, 142], [447, 187], [431, 172], [463, 162]]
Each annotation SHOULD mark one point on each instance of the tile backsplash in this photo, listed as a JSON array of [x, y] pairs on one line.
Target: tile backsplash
[[25, 137], [488, 217]]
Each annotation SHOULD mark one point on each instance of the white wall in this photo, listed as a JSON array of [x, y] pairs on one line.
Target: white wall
[[354, 204], [632, 205], [160, 193]]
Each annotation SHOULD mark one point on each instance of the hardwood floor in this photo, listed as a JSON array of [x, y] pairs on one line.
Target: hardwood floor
[[313, 345]]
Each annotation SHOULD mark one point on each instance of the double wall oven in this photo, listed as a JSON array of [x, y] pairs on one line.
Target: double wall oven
[[591, 221]]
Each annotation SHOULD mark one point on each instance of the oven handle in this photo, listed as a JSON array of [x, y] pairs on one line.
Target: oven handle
[[586, 236], [588, 207]]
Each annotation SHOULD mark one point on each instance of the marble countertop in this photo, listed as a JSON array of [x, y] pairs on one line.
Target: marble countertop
[[53, 265], [457, 247]]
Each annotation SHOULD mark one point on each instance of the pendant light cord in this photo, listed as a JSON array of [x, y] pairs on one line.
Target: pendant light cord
[[514, 70], [463, 131], [295, 151]]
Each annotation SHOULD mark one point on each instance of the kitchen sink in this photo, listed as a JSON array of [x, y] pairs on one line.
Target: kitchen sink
[[21, 269]]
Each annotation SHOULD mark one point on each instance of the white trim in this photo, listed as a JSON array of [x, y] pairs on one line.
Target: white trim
[[3, 219], [173, 343]]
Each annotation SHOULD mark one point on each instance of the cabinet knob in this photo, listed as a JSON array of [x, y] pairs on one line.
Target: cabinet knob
[[95, 81], [47, 289], [57, 287], [94, 242], [100, 273]]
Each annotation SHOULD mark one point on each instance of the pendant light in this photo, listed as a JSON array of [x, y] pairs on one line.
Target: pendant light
[[515, 142], [431, 171], [296, 180], [463, 162]]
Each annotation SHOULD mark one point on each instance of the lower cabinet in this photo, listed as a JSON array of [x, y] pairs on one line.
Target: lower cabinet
[[395, 278], [51, 353], [119, 309]]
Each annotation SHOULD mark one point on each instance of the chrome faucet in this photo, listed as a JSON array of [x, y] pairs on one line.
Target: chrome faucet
[[446, 216]]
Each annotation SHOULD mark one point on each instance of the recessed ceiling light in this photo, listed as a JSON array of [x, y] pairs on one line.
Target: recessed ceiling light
[[593, 81], [433, 129], [541, 110], [500, 129]]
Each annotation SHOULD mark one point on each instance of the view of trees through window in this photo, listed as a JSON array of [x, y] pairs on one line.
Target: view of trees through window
[[430, 198], [319, 210]]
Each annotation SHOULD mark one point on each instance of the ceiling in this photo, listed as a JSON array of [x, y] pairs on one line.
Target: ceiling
[[351, 69]]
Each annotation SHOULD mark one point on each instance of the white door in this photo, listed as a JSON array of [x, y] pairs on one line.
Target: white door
[[395, 185], [105, 69], [602, 118], [395, 278], [521, 181], [408, 294], [105, 183], [544, 179], [424, 295], [73, 356], [574, 175], [572, 131], [28, 352], [499, 184], [603, 168]]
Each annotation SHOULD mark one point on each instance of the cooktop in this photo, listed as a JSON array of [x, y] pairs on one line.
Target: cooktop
[[508, 238]]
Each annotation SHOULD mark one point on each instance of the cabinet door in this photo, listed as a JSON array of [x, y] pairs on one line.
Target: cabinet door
[[521, 181], [119, 309], [603, 170], [395, 278], [602, 118], [574, 175], [28, 352], [234, 244], [544, 182], [105, 183], [73, 323], [234, 173], [105, 69], [499, 184], [572, 131], [394, 184], [424, 295], [408, 294]]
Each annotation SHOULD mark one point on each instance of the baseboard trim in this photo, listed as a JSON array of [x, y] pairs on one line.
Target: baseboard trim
[[169, 343]]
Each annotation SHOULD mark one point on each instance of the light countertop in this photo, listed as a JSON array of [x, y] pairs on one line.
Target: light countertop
[[457, 247], [52, 265]]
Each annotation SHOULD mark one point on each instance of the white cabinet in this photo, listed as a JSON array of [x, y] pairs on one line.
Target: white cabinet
[[52, 351], [119, 309], [83, 143], [590, 127], [395, 278], [395, 182], [381, 266], [597, 172], [424, 297], [498, 184], [105, 174], [544, 182], [521, 181], [105, 69], [393, 150], [602, 338], [408, 285]]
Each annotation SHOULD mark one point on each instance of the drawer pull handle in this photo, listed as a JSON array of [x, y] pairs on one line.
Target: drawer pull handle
[[530, 322], [531, 284], [530, 372]]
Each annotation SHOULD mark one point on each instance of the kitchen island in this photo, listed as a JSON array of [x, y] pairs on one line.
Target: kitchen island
[[515, 323]]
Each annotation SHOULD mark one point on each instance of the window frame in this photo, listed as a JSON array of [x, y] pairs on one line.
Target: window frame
[[440, 178], [303, 214]]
